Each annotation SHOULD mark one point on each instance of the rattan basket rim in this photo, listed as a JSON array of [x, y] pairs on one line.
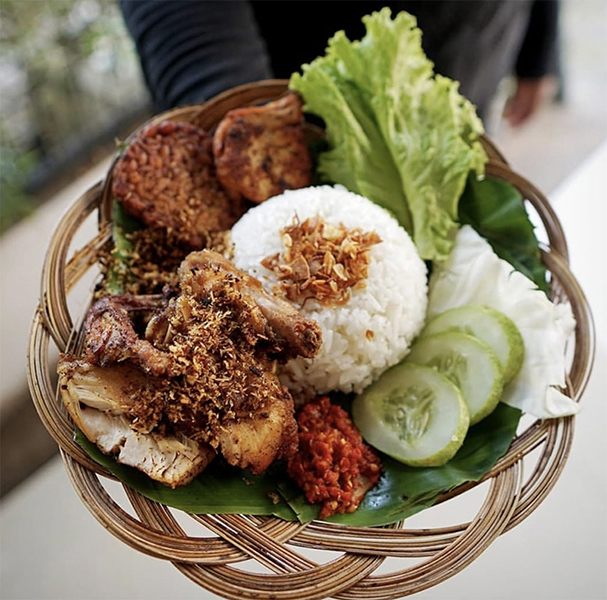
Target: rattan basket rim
[[153, 529]]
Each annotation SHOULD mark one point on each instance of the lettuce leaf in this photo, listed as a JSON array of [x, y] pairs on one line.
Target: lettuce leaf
[[397, 134]]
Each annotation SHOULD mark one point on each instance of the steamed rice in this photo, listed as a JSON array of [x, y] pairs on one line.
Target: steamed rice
[[392, 305]]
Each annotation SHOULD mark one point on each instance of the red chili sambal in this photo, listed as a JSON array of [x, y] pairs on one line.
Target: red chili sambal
[[334, 466]]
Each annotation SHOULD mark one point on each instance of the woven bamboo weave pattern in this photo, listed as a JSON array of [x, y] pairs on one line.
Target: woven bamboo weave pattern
[[209, 549]]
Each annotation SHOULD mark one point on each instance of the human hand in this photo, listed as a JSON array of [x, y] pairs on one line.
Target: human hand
[[527, 99]]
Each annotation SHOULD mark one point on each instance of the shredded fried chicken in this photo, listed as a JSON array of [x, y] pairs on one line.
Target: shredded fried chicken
[[321, 261], [211, 351], [261, 151]]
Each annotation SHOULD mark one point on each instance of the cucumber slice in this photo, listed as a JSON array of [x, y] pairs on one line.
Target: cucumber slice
[[414, 414], [469, 363], [488, 325]]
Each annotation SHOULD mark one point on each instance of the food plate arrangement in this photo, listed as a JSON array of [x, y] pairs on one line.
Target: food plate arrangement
[[278, 520]]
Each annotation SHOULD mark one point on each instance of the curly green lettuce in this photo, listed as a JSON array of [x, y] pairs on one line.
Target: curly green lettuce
[[397, 133]]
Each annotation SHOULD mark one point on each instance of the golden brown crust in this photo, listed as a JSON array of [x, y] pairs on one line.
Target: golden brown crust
[[166, 178], [261, 151]]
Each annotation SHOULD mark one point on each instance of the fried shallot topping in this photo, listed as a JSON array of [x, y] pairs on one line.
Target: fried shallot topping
[[210, 353], [321, 261], [225, 373], [152, 261]]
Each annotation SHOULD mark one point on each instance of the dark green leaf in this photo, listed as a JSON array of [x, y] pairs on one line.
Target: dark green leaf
[[118, 272], [495, 209], [221, 489], [403, 491]]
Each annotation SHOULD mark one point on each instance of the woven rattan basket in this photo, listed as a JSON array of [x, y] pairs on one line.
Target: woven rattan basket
[[211, 556]]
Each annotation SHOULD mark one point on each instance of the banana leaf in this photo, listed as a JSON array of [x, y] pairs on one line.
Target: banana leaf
[[401, 492], [495, 209], [118, 272], [221, 489]]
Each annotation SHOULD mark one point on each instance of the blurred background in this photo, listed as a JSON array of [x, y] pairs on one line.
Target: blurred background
[[71, 86]]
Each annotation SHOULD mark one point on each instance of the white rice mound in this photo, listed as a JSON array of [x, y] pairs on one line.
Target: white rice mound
[[392, 305]]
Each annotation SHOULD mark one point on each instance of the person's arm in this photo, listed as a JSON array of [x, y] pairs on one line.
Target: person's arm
[[537, 62], [192, 50]]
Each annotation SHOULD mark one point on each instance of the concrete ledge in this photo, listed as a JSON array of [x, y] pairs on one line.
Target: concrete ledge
[[25, 442]]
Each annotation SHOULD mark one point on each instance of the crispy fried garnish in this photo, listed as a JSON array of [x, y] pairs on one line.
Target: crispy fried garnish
[[166, 178], [227, 387], [153, 261], [321, 261]]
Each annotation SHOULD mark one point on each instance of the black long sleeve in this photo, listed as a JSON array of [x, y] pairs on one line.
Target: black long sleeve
[[190, 51], [538, 55]]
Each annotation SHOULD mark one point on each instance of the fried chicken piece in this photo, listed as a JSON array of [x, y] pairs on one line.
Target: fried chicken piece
[[295, 334], [261, 151], [110, 336], [166, 178], [100, 399], [229, 395], [206, 370], [255, 443]]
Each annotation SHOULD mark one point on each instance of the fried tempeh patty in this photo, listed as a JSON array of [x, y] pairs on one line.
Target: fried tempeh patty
[[167, 179]]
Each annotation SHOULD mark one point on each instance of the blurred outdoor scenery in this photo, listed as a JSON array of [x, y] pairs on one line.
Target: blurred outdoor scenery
[[70, 83]]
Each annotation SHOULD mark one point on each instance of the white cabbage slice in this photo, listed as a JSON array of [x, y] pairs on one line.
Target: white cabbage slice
[[474, 274]]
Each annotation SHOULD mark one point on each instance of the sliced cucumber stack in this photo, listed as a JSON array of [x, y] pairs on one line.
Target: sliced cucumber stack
[[468, 362], [414, 414], [488, 325]]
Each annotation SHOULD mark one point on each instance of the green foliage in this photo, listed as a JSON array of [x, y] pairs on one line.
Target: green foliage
[[118, 273], [495, 209], [69, 69], [15, 203]]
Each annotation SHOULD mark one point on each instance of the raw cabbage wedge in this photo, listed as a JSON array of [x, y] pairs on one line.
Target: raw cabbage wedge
[[397, 134], [474, 274]]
